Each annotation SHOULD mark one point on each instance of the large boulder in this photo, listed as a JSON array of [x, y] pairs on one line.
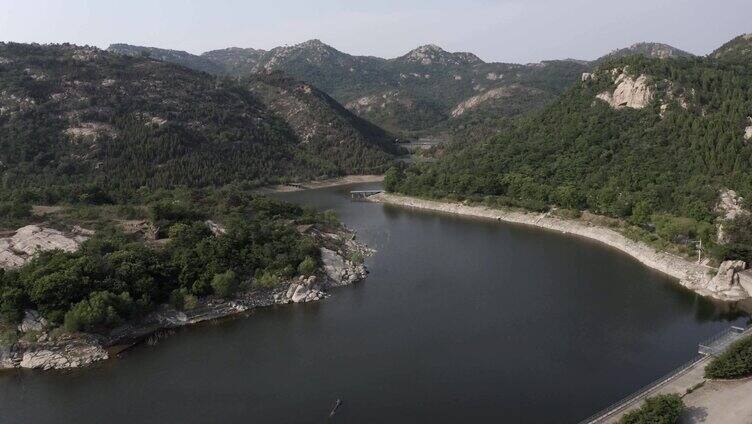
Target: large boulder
[[745, 280], [334, 265], [728, 279], [302, 290]]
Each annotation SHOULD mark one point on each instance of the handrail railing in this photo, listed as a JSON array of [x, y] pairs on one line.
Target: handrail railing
[[619, 405]]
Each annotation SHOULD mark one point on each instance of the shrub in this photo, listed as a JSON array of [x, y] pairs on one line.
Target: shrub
[[190, 302], [680, 229], [183, 300], [101, 310], [357, 258], [268, 280], [735, 362], [567, 213], [225, 284], [15, 210], [308, 266], [177, 298], [661, 409]]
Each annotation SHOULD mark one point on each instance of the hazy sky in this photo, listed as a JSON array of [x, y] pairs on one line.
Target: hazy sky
[[502, 30]]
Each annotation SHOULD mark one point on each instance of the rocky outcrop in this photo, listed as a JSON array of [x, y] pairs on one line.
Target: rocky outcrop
[[629, 92], [90, 131], [728, 280], [512, 91], [340, 270], [17, 250], [745, 280], [63, 357], [215, 228], [729, 206], [748, 131], [32, 321], [300, 291]]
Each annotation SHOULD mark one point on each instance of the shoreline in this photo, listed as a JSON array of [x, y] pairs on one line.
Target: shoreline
[[76, 350], [691, 275], [316, 184]]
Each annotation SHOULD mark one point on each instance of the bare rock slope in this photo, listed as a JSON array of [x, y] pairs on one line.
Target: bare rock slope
[[17, 250]]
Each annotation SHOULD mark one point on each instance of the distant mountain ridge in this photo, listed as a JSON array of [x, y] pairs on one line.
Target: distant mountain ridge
[[428, 89], [178, 57], [649, 50], [413, 92], [738, 48], [72, 116]]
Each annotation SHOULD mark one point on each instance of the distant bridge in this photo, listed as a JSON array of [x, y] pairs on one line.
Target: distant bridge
[[362, 194]]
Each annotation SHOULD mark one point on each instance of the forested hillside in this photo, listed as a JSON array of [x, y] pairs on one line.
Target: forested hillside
[[76, 119], [651, 141], [420, 92], [324, 126], [740, 48]]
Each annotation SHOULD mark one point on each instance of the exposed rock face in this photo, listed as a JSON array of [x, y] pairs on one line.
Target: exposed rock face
[[339, 270], [586, 76], [21, 247], [745, 280], [215, 228], [729, 206], [90, 131], [629, 92], [32, 321], [379, 101], [493, 94], [728, 279], [748, 130], [68, 356], [143, 228]]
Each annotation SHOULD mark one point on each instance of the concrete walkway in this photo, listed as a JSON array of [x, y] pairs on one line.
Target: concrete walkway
[[727, 402]]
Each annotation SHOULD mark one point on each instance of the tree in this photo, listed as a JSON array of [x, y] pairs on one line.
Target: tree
[[661, 409], [225, 285], [102, 310], [308, 266]]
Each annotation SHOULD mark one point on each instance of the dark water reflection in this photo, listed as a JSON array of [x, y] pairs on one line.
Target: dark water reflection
[[460, 319]]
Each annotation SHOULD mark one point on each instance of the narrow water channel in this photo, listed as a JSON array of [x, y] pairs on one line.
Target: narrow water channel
[[460, 319]]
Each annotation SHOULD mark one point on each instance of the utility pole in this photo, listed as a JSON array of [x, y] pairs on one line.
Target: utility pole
[[699, 252]]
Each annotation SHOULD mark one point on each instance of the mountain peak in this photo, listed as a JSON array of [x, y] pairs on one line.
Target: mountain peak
[[428, 54], [648, 49], [315, 44], [738, 48]]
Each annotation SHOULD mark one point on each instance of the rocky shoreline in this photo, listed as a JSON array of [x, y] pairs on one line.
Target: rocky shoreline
[[731, 282], [70, 351]]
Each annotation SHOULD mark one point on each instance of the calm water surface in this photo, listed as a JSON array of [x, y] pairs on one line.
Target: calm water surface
[[460, 319]]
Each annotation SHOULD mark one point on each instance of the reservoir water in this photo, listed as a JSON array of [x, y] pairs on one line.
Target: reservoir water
[[459, 320]]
